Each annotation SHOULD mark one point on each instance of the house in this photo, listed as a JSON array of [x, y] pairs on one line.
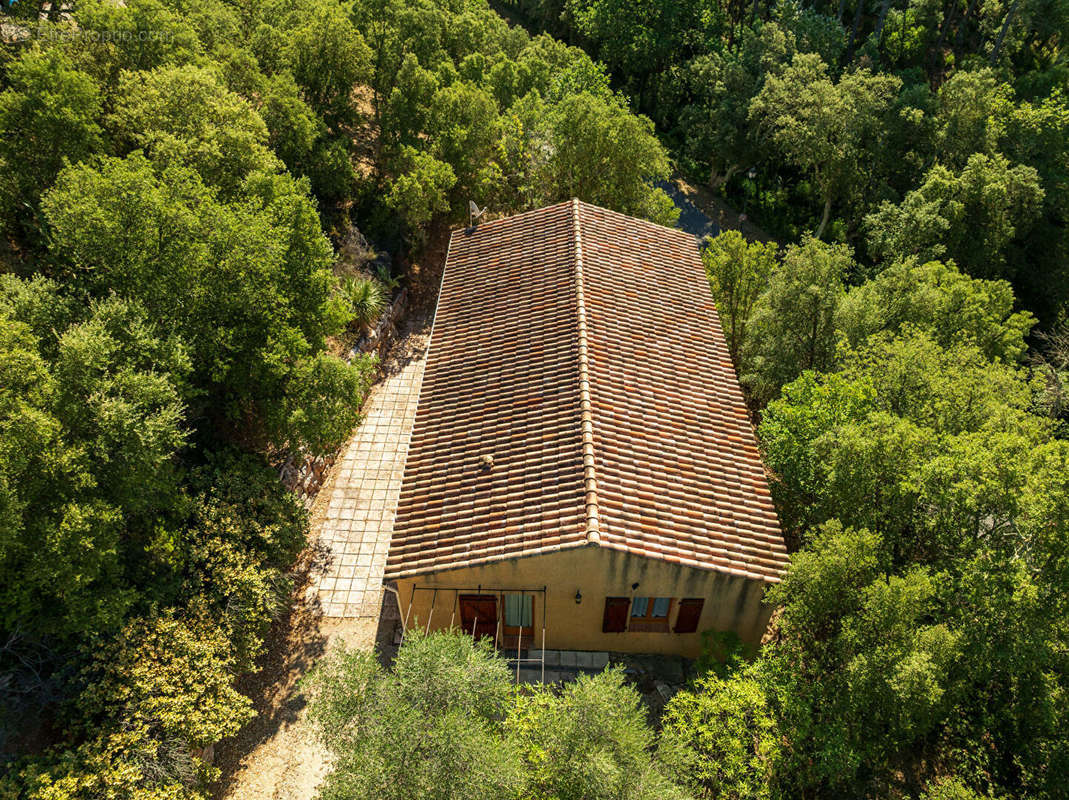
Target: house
[[582, 472]]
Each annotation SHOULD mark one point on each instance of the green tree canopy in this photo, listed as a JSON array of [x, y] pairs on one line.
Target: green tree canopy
[[722, 84], [824, 127], [431, 728], [720, 737], [591, 742], [246, 285], [135, 35], [50, 114], [463, 126], [327, 55], [938, 299], [862, 672], [738, 272], [973, 218], [792, 326], [605, 155], [971, 111], [185, 115], [422, 190], [904, 421], [88, 443]]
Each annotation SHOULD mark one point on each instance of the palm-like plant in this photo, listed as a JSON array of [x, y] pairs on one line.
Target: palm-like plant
[[366, 300]]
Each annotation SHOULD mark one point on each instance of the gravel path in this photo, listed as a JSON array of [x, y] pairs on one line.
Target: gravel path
[[691, 218]]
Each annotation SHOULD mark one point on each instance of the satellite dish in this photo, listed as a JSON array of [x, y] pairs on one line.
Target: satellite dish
[[474, 212]]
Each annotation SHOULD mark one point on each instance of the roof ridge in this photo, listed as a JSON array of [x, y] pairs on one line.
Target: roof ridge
[[632, 218], [508, 218], [590, 483]]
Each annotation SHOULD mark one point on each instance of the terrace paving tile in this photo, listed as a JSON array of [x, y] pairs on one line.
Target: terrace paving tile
[[367, 482]]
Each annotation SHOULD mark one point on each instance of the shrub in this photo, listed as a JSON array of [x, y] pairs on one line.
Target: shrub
[[589, 742], [721, 740], [431, 728]]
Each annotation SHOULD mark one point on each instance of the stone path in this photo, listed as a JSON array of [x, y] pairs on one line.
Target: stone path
[[278, 756], [360, 510]]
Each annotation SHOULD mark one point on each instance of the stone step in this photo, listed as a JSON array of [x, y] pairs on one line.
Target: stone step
[[567, 659]]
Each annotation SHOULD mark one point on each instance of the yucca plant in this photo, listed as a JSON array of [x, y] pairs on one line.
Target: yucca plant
[[366, 300]]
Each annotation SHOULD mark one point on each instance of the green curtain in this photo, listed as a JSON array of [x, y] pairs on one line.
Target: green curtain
[[518, 610]]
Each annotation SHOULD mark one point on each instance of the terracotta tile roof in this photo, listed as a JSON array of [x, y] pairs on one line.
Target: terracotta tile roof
[[581, 351]]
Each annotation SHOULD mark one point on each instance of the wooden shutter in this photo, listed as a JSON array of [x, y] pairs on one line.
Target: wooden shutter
[[615, 614], [478, 614], [690, 611]]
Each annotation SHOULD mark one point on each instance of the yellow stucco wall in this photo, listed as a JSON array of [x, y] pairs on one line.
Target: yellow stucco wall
[[731, 603]]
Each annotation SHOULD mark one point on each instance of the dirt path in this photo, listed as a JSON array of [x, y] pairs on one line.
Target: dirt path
[[276, 756]]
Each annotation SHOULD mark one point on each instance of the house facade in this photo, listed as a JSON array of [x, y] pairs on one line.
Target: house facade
[[582, 472]]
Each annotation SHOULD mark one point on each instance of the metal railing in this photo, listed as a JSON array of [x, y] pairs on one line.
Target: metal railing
[[498, 594]]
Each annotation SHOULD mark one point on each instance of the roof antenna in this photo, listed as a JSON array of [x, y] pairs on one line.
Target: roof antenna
[[474, 212]]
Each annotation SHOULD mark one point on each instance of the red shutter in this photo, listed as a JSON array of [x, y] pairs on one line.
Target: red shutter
[[478, 614], [690, 611], [615, 614]]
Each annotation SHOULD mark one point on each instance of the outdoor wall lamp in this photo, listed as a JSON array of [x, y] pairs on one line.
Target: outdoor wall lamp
[[578, 597]]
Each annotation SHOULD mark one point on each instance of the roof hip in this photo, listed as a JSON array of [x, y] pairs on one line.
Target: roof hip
[[590, 481]]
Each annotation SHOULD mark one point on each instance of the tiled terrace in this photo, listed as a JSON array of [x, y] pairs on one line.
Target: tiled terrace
[[363, 494]]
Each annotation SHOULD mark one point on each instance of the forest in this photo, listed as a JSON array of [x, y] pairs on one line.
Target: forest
[[928, 129], [176, 181]]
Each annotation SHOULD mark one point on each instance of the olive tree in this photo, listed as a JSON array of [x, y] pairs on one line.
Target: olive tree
[[432, 727]]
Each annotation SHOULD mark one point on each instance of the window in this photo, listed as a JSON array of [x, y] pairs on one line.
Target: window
[[518, 630], [518, 610], [650, 614], [690, 611]]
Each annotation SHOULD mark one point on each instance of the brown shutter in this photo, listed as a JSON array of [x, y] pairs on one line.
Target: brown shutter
[[615, 614], [478, 614], [690, 611]]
